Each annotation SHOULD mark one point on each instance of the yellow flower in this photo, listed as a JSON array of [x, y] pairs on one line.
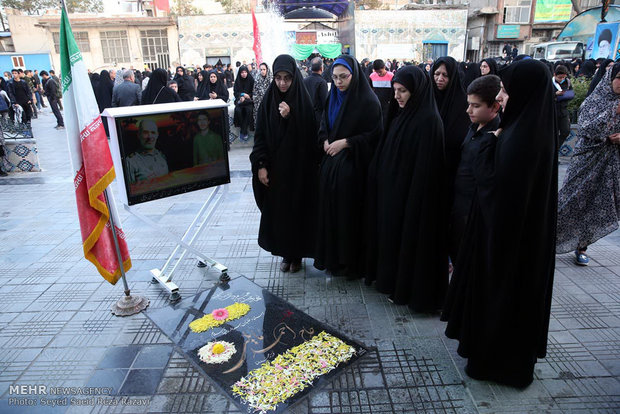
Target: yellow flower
[[235, 311]]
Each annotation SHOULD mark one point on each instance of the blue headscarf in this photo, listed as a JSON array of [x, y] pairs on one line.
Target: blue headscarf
[[336, 96]]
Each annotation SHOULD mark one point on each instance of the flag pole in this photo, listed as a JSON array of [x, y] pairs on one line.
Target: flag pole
[[128, 305]]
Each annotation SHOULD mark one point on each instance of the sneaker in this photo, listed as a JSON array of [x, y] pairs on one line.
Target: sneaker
[[59, 127], [243, 137], [581, 259]]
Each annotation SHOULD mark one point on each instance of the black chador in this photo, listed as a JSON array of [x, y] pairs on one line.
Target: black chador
[[406, 204], [499, 299], [286, 148], [354, 115], [452, 105]]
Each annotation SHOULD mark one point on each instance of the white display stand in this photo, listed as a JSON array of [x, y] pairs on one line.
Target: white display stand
[[185, 243]]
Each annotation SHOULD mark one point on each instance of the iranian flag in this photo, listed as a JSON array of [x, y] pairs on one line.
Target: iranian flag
[[91, 161]]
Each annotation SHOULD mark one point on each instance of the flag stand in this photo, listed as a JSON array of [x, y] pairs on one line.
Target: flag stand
[[128, 305]]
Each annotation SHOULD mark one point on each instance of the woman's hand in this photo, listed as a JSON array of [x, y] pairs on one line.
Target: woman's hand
[[615, 138], [325, 146], [337, 146], [262, 177], [284, 109], [213, 95]]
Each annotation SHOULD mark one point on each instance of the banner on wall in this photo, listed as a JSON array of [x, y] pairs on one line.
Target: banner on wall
[[548, 11]]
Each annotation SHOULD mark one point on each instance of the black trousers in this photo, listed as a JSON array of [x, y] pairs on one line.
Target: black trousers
[[53, 101], [243, 113]]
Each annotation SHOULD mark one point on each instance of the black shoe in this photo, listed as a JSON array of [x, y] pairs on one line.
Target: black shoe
[[3, 174], [285, 266], [295, 265]]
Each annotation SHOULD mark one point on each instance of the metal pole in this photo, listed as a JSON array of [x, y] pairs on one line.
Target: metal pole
[[119, 256]]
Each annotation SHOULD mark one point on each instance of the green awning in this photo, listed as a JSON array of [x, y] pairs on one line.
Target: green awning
[[329, 50]]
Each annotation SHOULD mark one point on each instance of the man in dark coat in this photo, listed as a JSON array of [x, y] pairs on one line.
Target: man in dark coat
[[127, 93], [51, 91], [20, 94], [317, 88], [285, 167]]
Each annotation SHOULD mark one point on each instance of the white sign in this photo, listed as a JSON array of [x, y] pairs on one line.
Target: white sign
[[326, 37]]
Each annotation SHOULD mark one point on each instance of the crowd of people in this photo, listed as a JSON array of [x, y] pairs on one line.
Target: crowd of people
[[406, 177], [437, 183]]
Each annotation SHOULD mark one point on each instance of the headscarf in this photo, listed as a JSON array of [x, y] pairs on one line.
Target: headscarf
[[492, 65], [157, 90], [243, 85], [203, 89], [600, 72], [337, 96], [262, 83], [103, 93], [218, 87], [94, 80], [186, 85], [471, 74], [587, 69]]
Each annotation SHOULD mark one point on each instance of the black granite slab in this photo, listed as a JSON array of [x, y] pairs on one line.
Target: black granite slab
[[270, 328]]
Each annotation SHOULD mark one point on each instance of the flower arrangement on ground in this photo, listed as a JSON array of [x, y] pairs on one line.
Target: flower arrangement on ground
[[289, 373], [219, 317], [216, 352]]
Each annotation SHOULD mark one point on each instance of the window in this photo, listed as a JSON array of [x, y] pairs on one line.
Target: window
[[493, 49], [115, 46], [517, 11], [432, 51], [588, 4], [18, 62], [81, 39], [154, 42]]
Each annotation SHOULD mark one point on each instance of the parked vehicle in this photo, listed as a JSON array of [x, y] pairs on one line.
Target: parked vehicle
[[555, 51]]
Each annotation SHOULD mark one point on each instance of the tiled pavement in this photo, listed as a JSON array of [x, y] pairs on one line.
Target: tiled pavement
[[56, 328]]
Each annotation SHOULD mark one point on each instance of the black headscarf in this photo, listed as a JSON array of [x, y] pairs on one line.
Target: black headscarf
[[452, 104], [218, 87], [406, 229], [600, 72], [471, 74], [499, 304], [94, 80], [492, 65], [243, 85], [202, 90], [157, 90], [286, 147], [186, 85], [103, 93], [587, 69]]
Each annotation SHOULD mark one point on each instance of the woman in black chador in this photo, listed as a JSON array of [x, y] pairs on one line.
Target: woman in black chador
[[452, 104], [285, 163], [185, 83], [499, 299], [244, 105], [406, 204], [157, 91], [350, 130]]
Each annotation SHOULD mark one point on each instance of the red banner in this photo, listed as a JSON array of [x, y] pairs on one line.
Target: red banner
[[258, 52]]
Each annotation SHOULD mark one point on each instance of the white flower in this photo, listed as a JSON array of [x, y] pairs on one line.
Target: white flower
[[216, 352]]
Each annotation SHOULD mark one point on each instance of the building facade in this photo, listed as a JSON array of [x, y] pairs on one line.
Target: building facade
[[105, 42]]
